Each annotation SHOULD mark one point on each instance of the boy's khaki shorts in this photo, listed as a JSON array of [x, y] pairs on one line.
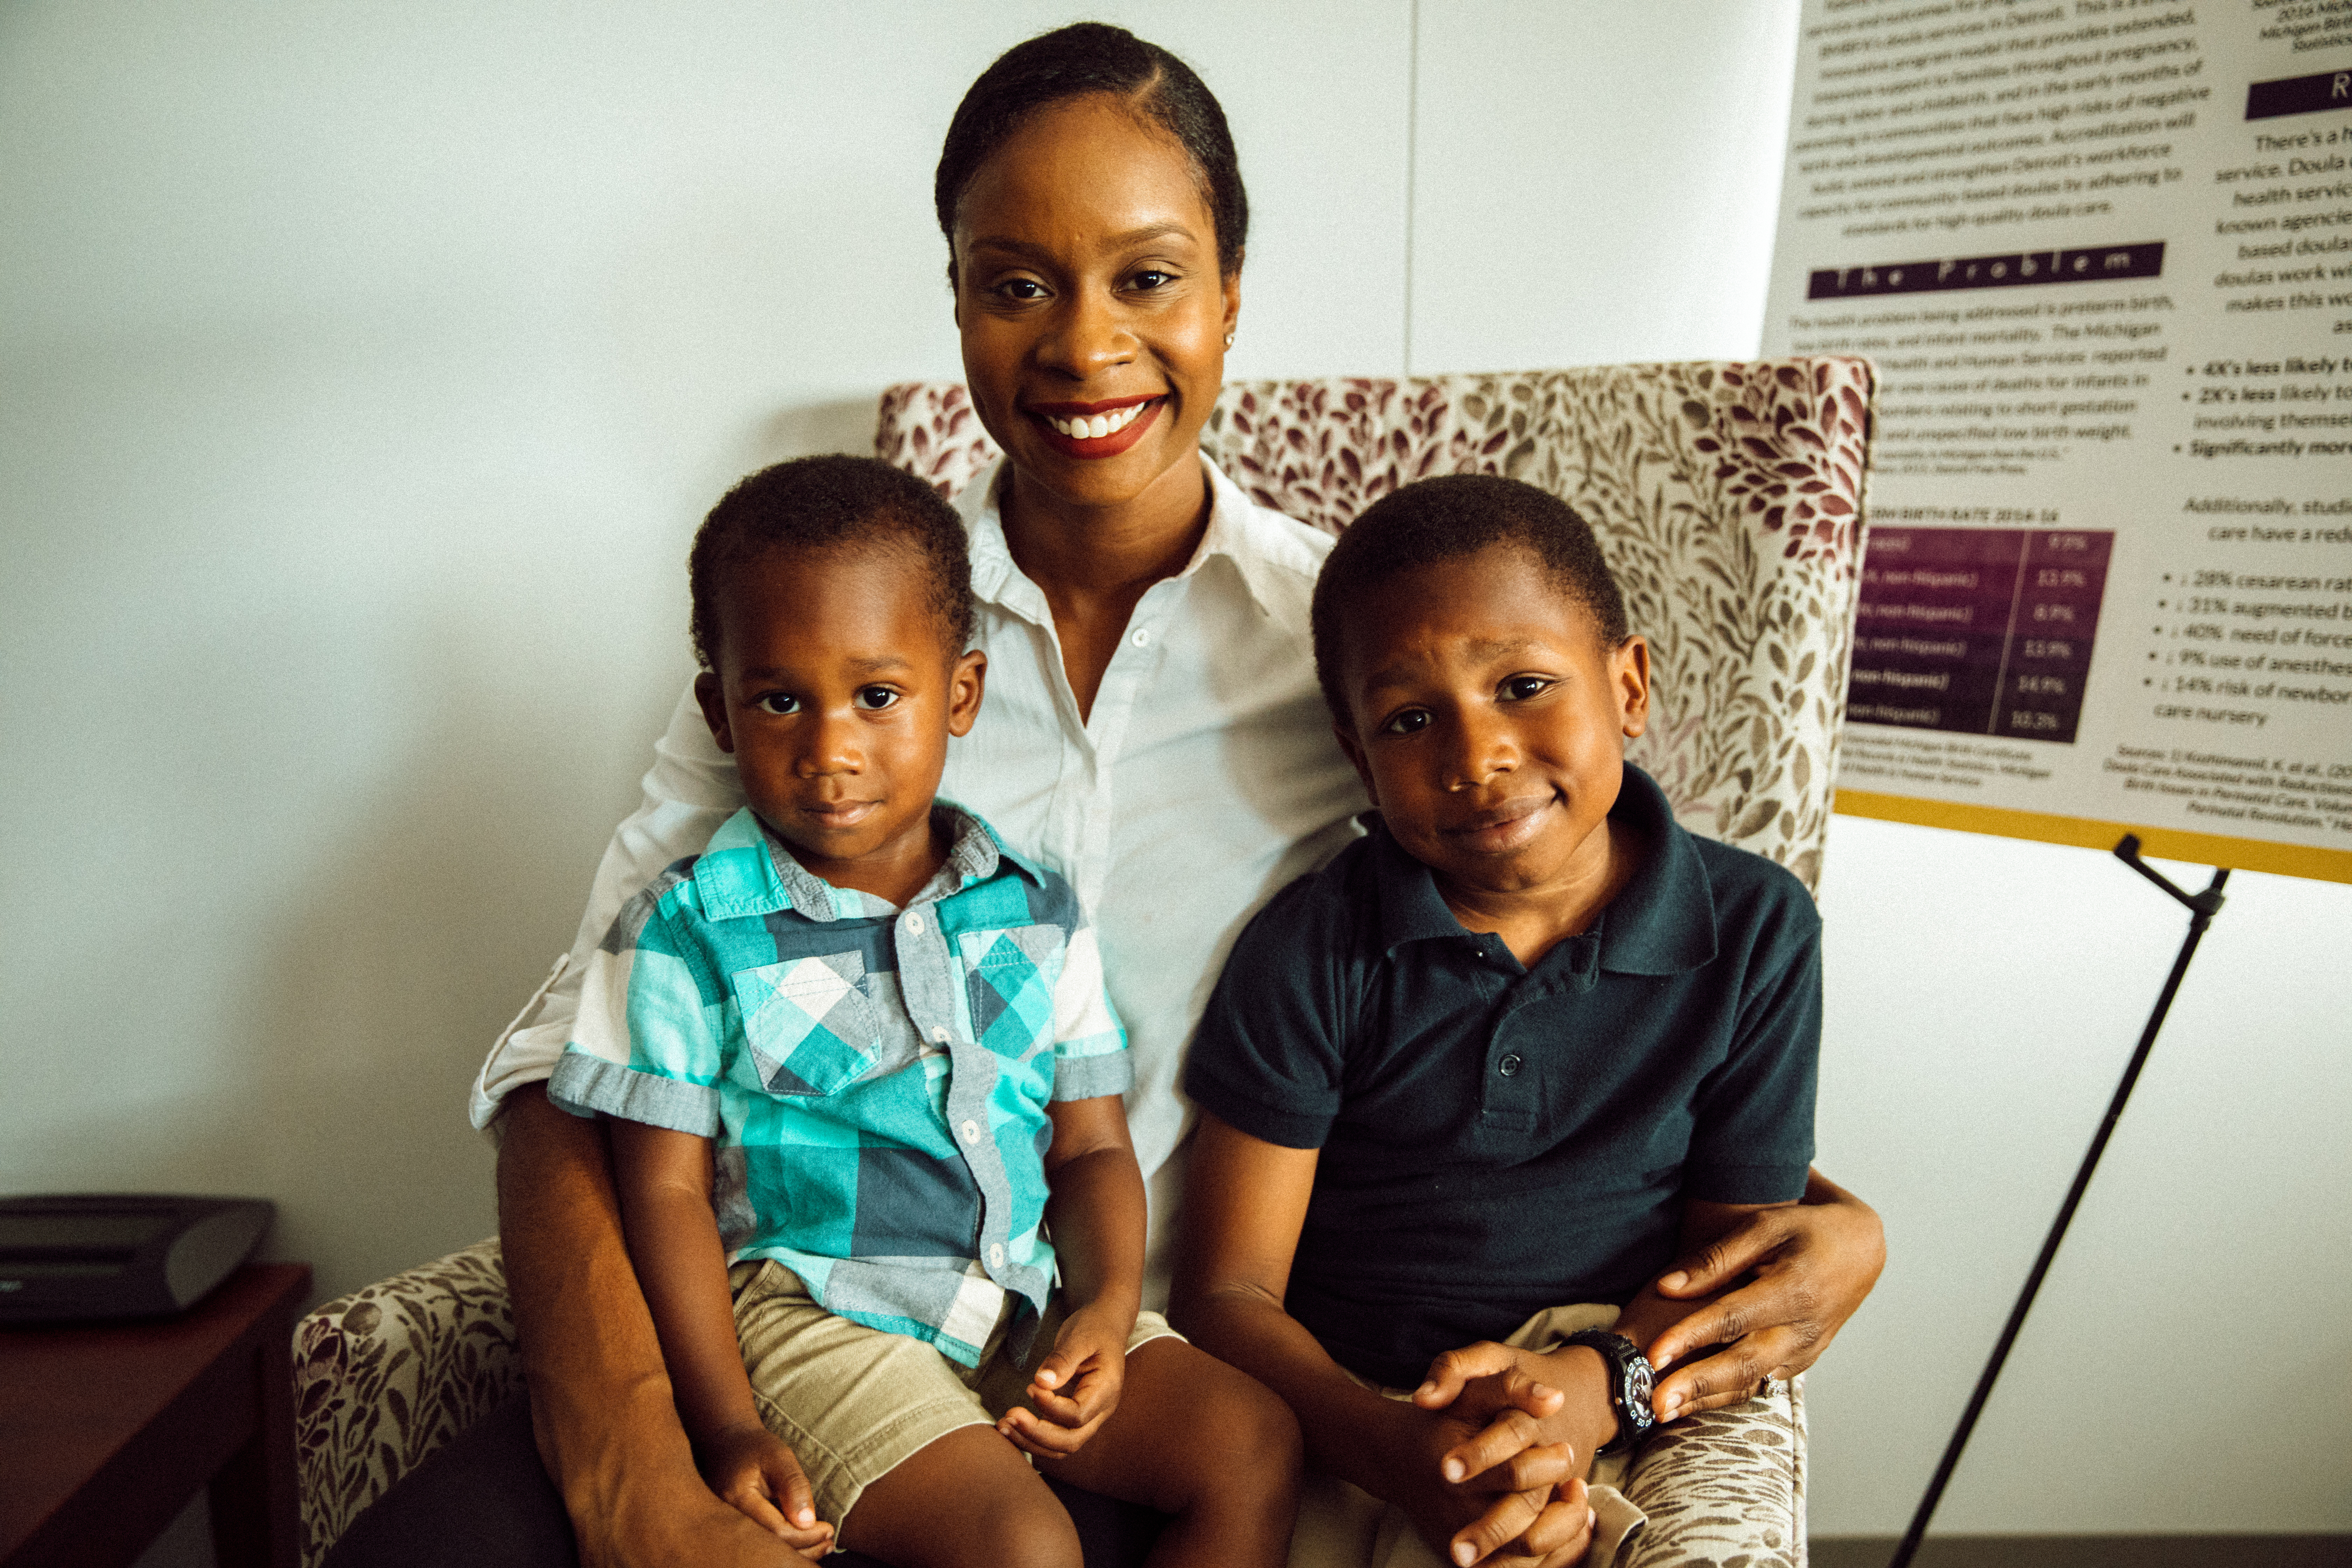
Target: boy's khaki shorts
[[855, 1403]]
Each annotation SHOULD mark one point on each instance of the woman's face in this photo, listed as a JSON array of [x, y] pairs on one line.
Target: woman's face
[[1093, 315]]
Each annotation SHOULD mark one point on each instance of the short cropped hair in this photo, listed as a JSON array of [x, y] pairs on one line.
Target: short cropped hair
[[1445, 519], [1088, 58], [815, 503]]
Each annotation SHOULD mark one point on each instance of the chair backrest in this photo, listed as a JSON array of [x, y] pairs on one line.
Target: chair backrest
[[1728, 498]]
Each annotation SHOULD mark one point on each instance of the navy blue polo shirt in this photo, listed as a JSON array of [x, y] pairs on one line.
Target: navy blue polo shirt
[[1497, 1140]]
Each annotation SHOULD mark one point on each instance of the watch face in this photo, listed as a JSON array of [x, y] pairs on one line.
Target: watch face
[[1639, 1382]]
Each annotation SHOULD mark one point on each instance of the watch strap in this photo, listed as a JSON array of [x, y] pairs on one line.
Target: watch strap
[[1631, 1380]]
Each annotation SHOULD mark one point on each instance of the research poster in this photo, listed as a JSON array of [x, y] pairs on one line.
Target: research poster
[[2101, 253]]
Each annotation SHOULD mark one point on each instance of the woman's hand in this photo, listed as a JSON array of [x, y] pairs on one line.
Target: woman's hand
[[1813, 1262], [761, 1479], [1075, 1387]]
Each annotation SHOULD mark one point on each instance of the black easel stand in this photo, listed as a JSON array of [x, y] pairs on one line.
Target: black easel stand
[[2201, 909]]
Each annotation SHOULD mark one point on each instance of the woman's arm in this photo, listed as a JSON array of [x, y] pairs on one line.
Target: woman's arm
[[1587, 1417], [600, 1406], [663, 1181], [1470, 1475], [1813, 1262]]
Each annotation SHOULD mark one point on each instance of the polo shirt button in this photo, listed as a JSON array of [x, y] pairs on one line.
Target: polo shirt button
[[914, 925], [1141, 638], [996, 1255], [1508, 1065], [971, 1132], [940, 1036]]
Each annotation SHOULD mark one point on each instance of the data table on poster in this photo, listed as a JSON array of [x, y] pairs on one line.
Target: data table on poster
[[1983, 631]]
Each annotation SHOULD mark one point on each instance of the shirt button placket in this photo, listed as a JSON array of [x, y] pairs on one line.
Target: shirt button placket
[[1510, 1087]]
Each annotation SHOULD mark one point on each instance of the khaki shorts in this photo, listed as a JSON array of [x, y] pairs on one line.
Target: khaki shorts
[[855, 1403]]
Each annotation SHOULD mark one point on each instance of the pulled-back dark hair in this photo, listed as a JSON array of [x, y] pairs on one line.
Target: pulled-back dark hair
[[817, 503], [1445, 519], [1094, 57]]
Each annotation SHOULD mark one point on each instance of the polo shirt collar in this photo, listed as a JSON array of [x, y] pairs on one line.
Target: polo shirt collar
[[748, 871], [1660, 922], [1236, 533]]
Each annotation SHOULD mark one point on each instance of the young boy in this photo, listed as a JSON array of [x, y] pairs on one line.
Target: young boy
[[1478, 1079], [857, 1054]]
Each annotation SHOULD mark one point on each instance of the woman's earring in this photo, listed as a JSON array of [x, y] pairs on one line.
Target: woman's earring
[[1229, 339]]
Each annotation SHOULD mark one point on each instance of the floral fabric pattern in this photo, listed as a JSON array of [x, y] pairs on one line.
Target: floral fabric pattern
[[385, 1376]]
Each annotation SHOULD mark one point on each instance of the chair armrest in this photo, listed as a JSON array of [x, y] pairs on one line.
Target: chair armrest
[[1726, 1486], [385, 1376]]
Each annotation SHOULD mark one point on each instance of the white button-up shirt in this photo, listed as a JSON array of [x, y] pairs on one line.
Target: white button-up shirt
[[1204, 779]]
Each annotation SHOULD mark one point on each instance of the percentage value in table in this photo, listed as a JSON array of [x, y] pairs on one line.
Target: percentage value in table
[[1944, 643]]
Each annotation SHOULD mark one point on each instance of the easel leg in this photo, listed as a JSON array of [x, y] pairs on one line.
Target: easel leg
[[2202, 907]]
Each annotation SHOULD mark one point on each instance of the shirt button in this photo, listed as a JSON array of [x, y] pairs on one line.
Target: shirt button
[[940, 1036], [1508, 1065], [996, 1255], [1139, 637], [914, 925], [971, 1131]]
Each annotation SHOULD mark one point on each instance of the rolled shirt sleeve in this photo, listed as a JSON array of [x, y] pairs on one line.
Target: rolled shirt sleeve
[[648, 1041], [1090, 1052]]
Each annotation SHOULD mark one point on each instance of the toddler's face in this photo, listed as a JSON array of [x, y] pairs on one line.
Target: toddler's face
[[1490, 720], [837, 692]]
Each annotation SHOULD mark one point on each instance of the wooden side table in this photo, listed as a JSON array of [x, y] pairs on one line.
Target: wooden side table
[[106, 1432]]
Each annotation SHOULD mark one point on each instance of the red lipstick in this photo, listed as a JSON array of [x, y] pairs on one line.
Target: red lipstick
[[1042, 415]]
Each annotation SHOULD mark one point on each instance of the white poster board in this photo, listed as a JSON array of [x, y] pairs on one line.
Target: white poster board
[[2100, 253]]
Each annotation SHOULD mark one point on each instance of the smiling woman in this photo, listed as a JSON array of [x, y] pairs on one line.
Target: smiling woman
[[1095, 317]]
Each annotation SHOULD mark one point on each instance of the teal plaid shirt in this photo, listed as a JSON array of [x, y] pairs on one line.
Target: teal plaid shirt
[[874, 1077]]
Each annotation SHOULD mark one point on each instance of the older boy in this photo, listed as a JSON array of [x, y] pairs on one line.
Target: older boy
[[1476, 1080], [860, 1052]]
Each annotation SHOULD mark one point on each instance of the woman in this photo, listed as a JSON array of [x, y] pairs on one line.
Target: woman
[[1152, 728]]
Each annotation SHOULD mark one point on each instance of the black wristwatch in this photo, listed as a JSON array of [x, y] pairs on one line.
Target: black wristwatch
[[1631, 1379]]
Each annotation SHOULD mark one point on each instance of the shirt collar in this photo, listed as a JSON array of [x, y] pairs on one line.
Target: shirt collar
[[1660, 922], [748, 870], [1235, 534]]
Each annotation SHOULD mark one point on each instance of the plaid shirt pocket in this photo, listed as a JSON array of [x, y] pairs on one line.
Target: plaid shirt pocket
[[809, 1024], [1009, 976]]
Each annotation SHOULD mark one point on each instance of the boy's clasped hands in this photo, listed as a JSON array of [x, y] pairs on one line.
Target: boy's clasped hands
[[1477, 1465]]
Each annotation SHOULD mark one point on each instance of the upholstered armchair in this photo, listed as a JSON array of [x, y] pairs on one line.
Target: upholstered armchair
[[1728, 499]]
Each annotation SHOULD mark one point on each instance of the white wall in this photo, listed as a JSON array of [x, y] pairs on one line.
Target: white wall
[[363, 370]]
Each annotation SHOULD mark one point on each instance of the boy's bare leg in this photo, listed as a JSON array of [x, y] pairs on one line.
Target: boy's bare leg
[[965, 1501], [1213, 1446], [600, 1399]]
